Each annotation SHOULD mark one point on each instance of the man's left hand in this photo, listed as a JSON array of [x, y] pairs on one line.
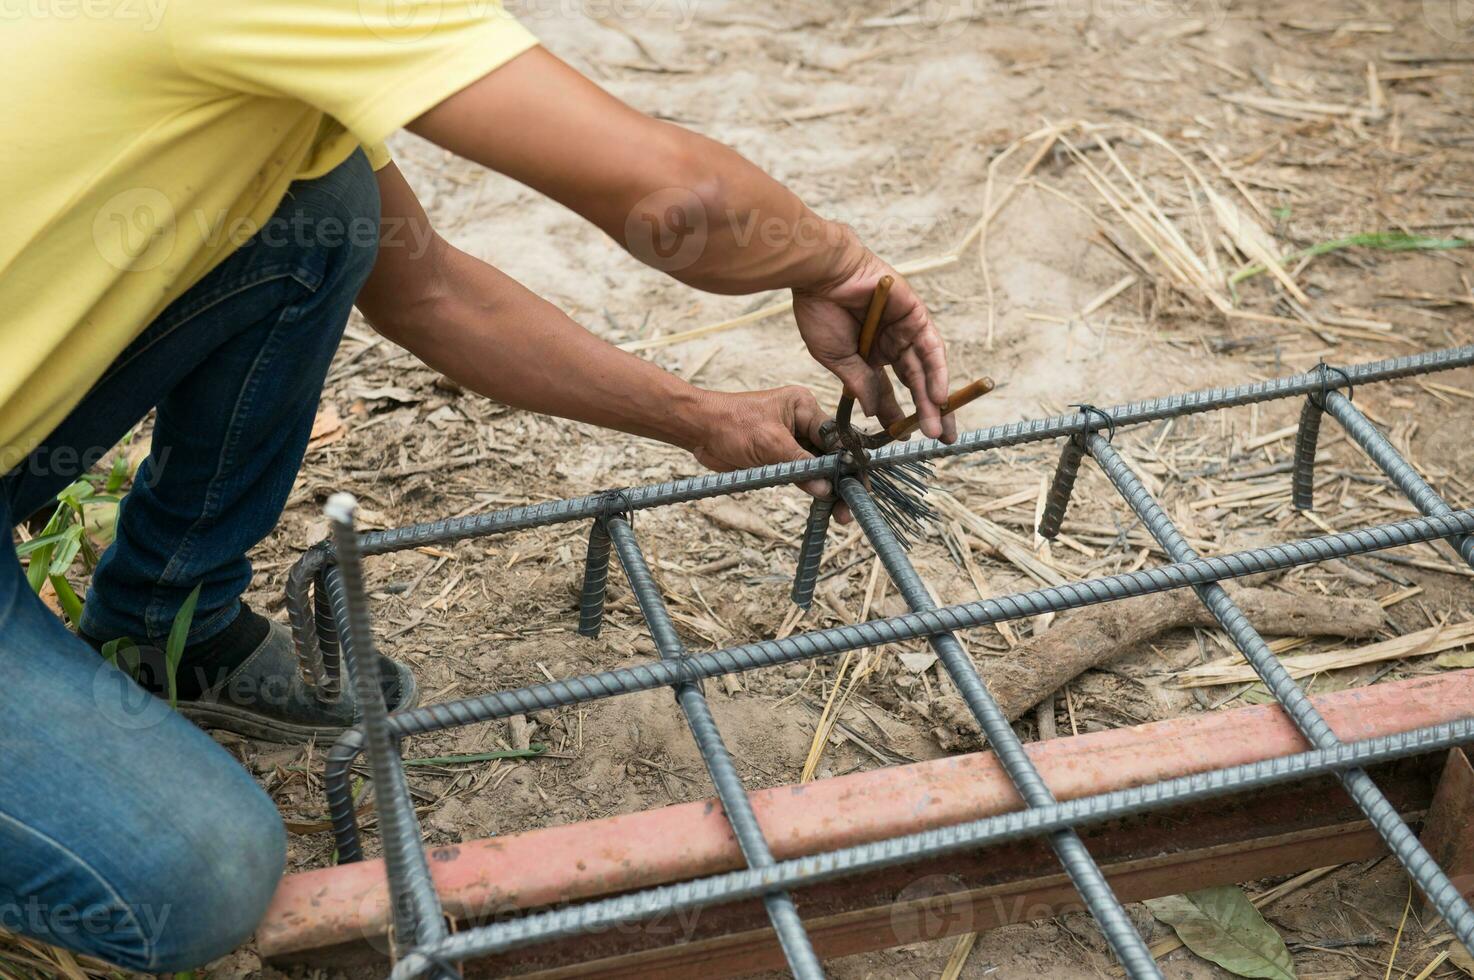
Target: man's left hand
[[756, 428]]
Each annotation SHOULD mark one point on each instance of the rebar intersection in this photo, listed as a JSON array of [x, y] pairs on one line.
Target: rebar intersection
[[329, 615]]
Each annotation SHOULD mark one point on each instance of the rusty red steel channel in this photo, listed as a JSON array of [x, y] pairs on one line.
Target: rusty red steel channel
[[340, 916]]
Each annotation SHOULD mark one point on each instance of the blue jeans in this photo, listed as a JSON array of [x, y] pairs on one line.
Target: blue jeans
[[125, 832]]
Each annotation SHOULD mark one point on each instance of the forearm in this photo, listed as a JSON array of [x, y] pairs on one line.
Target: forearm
[[676, 200], [490, 334]]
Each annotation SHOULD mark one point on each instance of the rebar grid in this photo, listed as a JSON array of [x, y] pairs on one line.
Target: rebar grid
[[417, 911], [1084, 874], [796, 946]]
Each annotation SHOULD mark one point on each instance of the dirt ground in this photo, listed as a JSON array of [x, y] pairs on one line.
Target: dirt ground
[[1314, 121]]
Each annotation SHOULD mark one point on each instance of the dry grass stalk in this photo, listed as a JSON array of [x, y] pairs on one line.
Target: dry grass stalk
[[864, 666], [1434, 639]]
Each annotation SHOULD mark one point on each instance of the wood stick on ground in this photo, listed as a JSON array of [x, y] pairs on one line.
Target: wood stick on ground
[[1079, 641]]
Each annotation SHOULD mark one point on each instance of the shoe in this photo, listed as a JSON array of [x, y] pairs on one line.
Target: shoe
[[266, 698]]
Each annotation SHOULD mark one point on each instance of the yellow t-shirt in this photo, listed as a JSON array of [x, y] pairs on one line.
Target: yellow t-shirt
[[139, 140]]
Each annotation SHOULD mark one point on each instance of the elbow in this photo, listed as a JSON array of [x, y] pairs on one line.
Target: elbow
[[412, 291], [669, 228]]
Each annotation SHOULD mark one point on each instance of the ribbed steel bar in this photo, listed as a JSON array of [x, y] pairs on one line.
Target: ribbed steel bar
[[301, 613], [730, 791], [1307, 436], [418, 918], [1398, 470], [1403, 843], [1058, 499], [716, 484], [811, 551], [1011, 434], [876, 632], [1086, 876], [595, 581], [1017, 825]]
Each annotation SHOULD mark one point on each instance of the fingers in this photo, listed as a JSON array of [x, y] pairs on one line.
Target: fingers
[[913, 345], [913, 376], [805, 418]]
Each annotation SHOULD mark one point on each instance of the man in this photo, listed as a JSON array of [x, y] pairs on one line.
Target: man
[[184, 211]]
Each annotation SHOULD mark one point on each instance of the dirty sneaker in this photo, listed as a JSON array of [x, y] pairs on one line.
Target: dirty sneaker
[[246, 680], [266, 698]]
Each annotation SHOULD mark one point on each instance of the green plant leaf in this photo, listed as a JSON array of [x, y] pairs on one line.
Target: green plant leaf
[[1222, 926], [39, 541], [120, 470], [122, 645], [71, 604], [174, 648], [531, 752], [1389, 241], [65, 551], [39, 567]]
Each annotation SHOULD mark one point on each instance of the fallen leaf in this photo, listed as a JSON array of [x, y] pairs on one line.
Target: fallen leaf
[[1221, 925], [327, 428], [917, 662], [392, 393]]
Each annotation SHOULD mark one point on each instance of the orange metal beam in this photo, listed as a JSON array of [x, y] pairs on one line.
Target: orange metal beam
[[339, 915]]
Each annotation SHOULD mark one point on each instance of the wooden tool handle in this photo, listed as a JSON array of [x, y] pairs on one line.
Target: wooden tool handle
[[867, 340], [872, 315], [969, 392]]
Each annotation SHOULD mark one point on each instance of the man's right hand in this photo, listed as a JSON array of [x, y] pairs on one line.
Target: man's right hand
[[829, 317]]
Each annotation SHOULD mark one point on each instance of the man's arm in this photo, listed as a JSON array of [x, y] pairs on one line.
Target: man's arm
[[488, 332], [699, 211]]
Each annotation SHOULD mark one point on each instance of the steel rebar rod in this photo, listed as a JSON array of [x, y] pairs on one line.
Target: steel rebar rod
[[1002, 828], [418, 918], [811, 551], [875, 632], [1403, 843], [1010, 434], [733, 795], [1391, 462], [1058, 499], [595, 581], [1307, 437], [716, 484], [1130, 949]]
